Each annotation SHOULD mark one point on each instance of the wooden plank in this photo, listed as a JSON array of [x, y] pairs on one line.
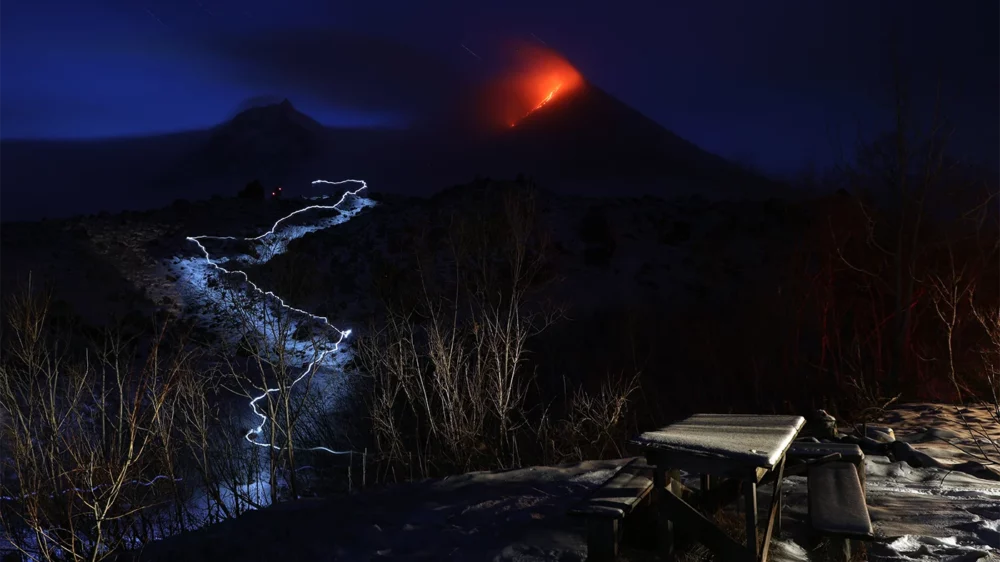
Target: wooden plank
[[750, 503], [803, 467], [837, 503], [620, 494], [849, 452], [716, 467], [720, 467], [807, 451]]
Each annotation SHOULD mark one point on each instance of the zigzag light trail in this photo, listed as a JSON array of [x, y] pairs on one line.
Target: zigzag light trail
[[342, 334]]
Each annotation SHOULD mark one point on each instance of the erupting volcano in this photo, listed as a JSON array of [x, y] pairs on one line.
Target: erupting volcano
[[536, 77], [541, 117]]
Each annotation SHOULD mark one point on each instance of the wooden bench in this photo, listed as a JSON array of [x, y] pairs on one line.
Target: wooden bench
[[805, 452], [837, 505], [610, 504]]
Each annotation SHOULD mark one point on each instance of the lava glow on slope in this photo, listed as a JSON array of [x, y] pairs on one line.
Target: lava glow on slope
[[535, 78], [544, 101]]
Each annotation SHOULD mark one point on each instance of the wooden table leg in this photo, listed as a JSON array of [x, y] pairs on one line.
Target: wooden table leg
[[777, 518], [774, 514], [664, 526], [750, 502], [779, 492]]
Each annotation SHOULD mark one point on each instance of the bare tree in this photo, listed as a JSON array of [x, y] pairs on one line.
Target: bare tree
[[953, 285], [904, 166], [447, 369], [82, 434], [990, 354], [594, 423], [212, 441]]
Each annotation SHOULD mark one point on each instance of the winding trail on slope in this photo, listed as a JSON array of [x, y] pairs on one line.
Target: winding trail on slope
[[251, 436]]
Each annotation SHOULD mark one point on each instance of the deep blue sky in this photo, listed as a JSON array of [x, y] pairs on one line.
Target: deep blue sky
[[764, 82]]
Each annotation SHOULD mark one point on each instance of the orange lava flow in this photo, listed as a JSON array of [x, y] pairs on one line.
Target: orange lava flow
[[538, 77], [549, 97], [544, 101]]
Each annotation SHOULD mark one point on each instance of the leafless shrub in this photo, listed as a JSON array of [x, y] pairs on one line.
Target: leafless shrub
[[867, 400], [449, 373], [990, 355], [273, 365], [216, 453], [108, 443], [594, 425], [82, 435]]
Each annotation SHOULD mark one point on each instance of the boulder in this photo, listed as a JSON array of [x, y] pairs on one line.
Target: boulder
[[880, 433]]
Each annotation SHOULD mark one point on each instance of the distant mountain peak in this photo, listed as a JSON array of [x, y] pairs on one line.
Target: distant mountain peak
[[273, 117], [267, 141]]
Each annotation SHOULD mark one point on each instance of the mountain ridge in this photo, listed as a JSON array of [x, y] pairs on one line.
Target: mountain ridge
[[585, 142]]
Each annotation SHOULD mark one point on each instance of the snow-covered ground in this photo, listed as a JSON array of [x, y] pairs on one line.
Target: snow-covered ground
[[919, 513], [515, 515], [941, 503], [214, 281], [949, 507], [934, 498]]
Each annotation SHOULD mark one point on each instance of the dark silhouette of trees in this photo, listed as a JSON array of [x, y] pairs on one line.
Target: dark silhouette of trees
[[253, 190]]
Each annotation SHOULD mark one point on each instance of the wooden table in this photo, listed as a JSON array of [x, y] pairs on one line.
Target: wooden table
[[747, 449]]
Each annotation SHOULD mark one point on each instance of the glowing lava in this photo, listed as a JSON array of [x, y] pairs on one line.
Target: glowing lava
[[548, 98], [534, 77], [542, 103]]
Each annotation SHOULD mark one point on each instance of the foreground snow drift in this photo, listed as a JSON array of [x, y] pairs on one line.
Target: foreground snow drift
[[920, 514], [515, 515]]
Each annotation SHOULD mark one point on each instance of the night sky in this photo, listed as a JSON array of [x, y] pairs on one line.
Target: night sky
[[767, 83]]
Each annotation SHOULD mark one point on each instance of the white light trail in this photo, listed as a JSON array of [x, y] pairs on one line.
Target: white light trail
[[253, 433], [470, 52]]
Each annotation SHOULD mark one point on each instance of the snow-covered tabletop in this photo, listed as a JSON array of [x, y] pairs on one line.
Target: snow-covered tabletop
[[757, 440]]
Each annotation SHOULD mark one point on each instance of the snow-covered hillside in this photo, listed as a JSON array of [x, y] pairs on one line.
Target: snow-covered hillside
[[599, 250], [931, 496]]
